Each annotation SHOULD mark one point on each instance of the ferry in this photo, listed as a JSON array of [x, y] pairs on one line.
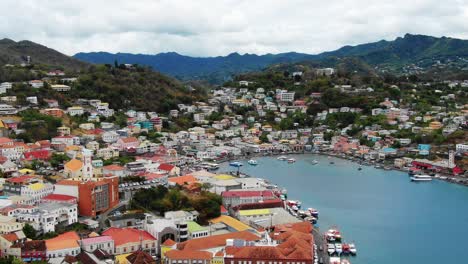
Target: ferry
[[291, 160], [331, 249], [421, 178], [282, 158], [236, 164], [210, 166], [252, 162]]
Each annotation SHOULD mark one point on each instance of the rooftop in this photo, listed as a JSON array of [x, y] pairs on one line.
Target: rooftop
[[215, 241], [231, 222], [63, 241]]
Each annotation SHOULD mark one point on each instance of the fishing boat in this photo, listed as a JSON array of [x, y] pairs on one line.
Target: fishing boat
[[417, 178], [236, 164], [352, 249], [252, 162], [291, 160], [282, 158], [331, 249], [338, 248]]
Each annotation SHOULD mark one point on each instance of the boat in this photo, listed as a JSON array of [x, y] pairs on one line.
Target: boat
[[331, 248], [314, 162], [345, 261], [352, 249], [378, 166], [335, 260], [346, 249], [333, 235], [291, 160], [311, 219], [236, 164], [252, 162], [387, 168], [421, 178], [338, 248], [332, 162], [282, 158], [360, 168], [313, 212]]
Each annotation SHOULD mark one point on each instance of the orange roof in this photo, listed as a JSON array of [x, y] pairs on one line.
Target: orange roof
[[12, 237], [129, 140], [74, 165], [188, 254], [215, 241], [182, 180], [68, 182], [63, 241], [114, 167], [123, 236], [169, 243], [4, 140]]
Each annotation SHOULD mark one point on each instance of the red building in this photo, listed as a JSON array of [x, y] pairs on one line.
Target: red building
[[94, 196], [41, 154], [34, 250]]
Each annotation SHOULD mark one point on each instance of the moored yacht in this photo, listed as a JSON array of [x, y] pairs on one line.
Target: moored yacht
[[331, 248], [236, 164], [291, 160], [421, 178]]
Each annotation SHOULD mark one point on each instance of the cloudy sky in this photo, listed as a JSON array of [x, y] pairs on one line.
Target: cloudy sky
[[219, 27]]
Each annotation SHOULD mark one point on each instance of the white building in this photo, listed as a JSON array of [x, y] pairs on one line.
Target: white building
[[75, 110], [286, 96], [461, 148], [36, 84], [110, 137]]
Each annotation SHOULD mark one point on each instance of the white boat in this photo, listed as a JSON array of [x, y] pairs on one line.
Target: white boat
[[352, 249], [331, 248], [338, 248], [282, 158], [291, 160], [252, 162], [421, 178], [335, 260], [314, 162]]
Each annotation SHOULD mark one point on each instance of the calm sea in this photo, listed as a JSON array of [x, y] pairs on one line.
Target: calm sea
[[390, 219]]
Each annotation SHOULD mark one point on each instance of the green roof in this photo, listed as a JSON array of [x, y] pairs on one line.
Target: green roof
[[194, 227], [254, 212]]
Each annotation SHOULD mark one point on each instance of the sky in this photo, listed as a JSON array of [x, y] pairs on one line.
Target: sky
[[219, 27]]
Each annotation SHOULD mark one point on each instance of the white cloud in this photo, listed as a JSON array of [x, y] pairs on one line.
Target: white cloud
[[219, 27]]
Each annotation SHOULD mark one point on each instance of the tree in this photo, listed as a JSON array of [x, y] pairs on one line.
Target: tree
[[29, 231]]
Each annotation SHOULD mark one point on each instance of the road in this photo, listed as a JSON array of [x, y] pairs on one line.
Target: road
[[320, 241]]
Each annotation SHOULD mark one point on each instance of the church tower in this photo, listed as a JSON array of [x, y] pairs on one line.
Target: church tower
[[87, 163]]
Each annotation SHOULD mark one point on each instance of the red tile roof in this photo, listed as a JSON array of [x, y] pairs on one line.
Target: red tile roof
[[265, 193], [166, 167], [215, 241], [169, 243], [129, 139], [20, 179], [182, 180], [123, 236], [188, 255], [12, 237], [114, 167], [59, 197]]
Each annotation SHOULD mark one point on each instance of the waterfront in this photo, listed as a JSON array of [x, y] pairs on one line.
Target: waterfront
[[391, 219]]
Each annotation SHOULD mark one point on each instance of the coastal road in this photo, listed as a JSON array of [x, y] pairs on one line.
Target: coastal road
[[320, 241]]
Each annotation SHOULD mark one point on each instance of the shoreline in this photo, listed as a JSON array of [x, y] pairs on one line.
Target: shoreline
[[447, 178]]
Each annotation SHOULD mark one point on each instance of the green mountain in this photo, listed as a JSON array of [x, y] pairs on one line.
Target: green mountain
[[419, 50], [12, 52]]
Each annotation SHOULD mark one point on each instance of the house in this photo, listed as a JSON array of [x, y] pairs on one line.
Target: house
[[75, 111], [140, 257], [60, 87], [36, 84], [9, 224], [55, 112], [107, 153], [127, 143], [115, 170], [105, 243], [8, 240], [171, 170], [65, 244], [128, 240]]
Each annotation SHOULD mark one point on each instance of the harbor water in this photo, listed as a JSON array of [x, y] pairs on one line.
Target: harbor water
[[388, 217]]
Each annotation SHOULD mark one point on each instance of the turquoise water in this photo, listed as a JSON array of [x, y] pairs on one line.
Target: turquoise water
[[391, 219]]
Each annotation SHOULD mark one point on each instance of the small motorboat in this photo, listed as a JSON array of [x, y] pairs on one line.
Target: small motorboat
[[313, 212], [352, 249], [331, 249], [346, 249], [252, 162], [236, 164], [282, 158], [338, 248], [314, 162], [291, 160]]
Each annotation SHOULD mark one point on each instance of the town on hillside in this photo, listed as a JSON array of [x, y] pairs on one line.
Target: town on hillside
[[107, 177]]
